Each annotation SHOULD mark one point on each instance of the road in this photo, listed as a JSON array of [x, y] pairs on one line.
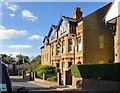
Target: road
[[32, 88], [35, 88]]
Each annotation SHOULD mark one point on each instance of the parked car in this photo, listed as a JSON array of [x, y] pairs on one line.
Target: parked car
[[5, 82]]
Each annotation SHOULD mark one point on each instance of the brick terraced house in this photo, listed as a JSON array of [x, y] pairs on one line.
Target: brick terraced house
[[79, 40]]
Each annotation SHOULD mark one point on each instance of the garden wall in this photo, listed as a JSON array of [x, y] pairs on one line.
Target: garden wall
[[95, 85]]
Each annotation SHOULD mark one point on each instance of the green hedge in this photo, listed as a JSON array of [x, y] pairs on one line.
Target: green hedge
[[53, 78], [47, 69], [97, 71]]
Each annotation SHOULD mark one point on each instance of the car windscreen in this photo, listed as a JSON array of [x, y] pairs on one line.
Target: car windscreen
[[5, 83]]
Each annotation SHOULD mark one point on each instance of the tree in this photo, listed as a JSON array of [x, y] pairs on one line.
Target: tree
[[3, 57], [37, 59], [35, 62], [31, 66], [20, 58], [7, 59], [26, 67]]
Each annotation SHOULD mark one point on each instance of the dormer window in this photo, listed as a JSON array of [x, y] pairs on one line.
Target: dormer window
[[62, 30], [53, 34], [72, 28], [64, 27]]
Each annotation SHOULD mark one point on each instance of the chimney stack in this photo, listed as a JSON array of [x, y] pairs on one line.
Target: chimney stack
[[77, 13]]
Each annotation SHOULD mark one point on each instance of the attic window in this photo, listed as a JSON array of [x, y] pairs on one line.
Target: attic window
[[64, 27], [72, 28], [53, 34]]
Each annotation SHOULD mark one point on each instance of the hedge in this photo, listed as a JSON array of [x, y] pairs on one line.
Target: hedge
[[97, 71], [53, 78], [47, 69]]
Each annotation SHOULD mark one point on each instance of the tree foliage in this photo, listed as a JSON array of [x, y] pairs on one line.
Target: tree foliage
[[31, 66], [22, 59], [26, 67], [8, 59], [37, 59]]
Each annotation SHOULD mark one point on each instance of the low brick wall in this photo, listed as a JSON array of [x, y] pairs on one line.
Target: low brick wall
[[76, 82], [41, 81], [95, 85]]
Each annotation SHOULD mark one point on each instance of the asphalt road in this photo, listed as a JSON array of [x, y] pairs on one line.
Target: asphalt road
[[32, 88]]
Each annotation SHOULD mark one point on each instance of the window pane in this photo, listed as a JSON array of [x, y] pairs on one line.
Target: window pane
[[79, 44], [57, 49], [63, 46], [69, 64], [58, 65], [69, 45], [63, 43], [79, 40], [63, 64]]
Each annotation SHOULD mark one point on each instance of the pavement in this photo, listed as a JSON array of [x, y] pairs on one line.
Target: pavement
[[51, 85]]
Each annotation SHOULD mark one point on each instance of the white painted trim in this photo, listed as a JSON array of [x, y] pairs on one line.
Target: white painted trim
[[113, 12]]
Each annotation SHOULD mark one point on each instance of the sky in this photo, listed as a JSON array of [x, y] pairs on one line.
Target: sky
[[23, 25]]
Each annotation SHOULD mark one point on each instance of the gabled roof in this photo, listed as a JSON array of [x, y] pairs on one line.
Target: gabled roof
[[52, 27], [45, 38], [113, 12], [108, 4], [69, 19], [66, 18]]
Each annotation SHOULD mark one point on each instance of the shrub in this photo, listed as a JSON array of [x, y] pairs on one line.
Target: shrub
[[53, 78], [47, 69], [97, 71]]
